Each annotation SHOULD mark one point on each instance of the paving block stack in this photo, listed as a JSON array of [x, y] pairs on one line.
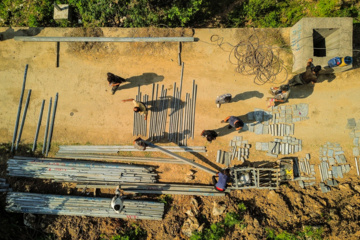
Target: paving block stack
[[306, 172], [277, 122], [239, 149], [287, 145], [333, 164]]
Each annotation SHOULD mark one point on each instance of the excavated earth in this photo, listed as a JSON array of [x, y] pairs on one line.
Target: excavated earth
[[87, 113]]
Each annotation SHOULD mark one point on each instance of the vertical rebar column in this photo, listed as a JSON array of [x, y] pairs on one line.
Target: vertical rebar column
[[47, 127], [52, 125], [193, 113], [172, 110], [38, 125], [23, 119], [155, 110], [158, 118], [181, 110], [152, 106], [163, 115], [144, 122], [19, 109], [140, 118], [181, 77]]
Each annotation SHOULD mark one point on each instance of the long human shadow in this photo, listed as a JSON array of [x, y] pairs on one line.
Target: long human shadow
[[142, 80], [10, 33], [303, 91], [247, 95], [222, 131]]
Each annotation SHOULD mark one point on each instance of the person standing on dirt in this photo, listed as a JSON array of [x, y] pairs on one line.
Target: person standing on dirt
[[224, 177], [117, 202], [234, 122], [114, 81], [138, 107], [225, 98], [310, 75], [209, 134]]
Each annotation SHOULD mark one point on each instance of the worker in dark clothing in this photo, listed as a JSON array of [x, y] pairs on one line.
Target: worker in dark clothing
[[221, 184], [138, 107], [209, 134], [310, 75], [114, 81], [234, 122]]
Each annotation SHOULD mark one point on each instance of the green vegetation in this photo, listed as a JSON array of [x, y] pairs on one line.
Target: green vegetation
[[134, 232], [219, 229], [308, 233], [166, 199], [173, 13], [242, 207]]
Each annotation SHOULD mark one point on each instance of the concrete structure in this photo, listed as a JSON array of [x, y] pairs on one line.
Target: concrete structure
[[321, 39], [61, 11]]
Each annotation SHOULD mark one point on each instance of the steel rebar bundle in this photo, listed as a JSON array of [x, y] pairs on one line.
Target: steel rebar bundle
[[75, 171], [160, 188], [81, 206]]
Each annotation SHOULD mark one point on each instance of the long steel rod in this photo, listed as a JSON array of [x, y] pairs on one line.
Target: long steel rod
[[172, 109], [52, 125], [165, 116], [158, 117], [181, 77], [181, 111], [193, 124], [152, 106], [23, 119], [47, 126], [19, 110], [103, 39], [155, 111], [38, 125]]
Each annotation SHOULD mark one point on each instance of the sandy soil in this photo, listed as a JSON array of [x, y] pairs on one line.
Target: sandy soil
[[87, 113]]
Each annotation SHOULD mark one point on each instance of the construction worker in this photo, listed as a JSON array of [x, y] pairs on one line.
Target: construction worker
[[281, 94], [310, 75], [140, 144], [117, 202], [225, 98], [234, 122], [209, 134], [114, 81], [224, 177], [138, 107]]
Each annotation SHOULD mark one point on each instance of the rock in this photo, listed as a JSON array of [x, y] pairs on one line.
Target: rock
[[29, 220], [189, 213], [345, 187], [194, 206], [256, 223], [357, 188], [218, 209], [190, 225]]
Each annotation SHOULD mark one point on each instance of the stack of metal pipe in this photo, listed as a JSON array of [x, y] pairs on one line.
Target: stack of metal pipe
[[81, 206], [4, 187], [159, 111], [161, 188], [140, 124], [79, 171], [101, 149], [182, 117]]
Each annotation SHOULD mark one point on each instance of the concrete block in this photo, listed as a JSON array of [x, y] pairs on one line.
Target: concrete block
[[296, 148], [301, 184], [63, 13], [338, 159], [347, 168], [339, 152], [351, 123], [265, 129], [265, 146], [324, 188], [307, 156], [356, 151], [342, 158], [356, 141], [259, 129], [339, 172], [334, 172], [330, 153], [332, 161], [251, 127], [271, 155]]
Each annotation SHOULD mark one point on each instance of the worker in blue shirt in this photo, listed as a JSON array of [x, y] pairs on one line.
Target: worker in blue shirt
[[224, 177]]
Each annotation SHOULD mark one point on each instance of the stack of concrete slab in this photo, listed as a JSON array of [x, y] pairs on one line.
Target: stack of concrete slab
[[355, 134], [239, 149], [332, 163], [290, 113], [285, 146], [277, 122], [306, 171]]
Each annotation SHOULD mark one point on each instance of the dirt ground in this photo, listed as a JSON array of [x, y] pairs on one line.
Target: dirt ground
[[87, 113]]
